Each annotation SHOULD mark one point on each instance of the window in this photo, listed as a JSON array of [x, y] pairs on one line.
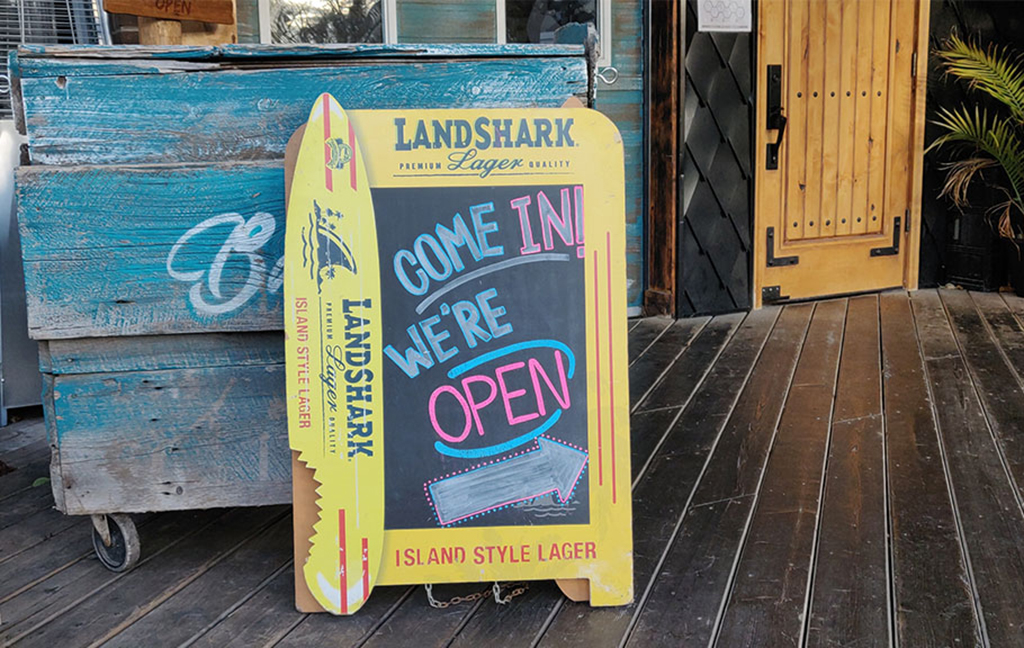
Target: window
[[326, 21], [536, 21], [375, 21]]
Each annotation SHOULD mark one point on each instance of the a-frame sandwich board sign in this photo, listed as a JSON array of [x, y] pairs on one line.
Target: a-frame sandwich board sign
[[456, 350]]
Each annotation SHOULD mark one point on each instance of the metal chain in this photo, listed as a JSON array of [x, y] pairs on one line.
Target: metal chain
[[455, 600], [517, 589]]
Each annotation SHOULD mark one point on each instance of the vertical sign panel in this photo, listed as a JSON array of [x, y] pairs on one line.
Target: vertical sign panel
[[455, 290]]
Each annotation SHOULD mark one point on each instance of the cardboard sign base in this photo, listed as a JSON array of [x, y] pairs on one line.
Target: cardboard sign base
[[304, 514]]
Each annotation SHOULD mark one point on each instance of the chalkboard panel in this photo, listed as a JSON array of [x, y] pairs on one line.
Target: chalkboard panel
[[454, 296], [437, 424]]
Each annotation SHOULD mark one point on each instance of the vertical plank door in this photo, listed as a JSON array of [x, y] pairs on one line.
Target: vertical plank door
[[837, 145]]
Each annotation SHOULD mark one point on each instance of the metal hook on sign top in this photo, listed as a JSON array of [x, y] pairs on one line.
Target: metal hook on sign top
[[608, 75]]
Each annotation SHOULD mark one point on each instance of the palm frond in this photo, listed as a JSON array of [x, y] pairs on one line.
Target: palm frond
[[996, 72], [1006, 221], [997, 138], [959, 175]]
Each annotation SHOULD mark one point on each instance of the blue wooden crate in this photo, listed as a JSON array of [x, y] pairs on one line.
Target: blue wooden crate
[[152, 222]]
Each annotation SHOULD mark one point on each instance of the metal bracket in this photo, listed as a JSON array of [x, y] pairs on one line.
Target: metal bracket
[[772, 294], [99, 522], [773, 261], [897, 232]]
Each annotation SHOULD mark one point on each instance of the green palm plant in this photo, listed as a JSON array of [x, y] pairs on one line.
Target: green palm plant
[[987, 142]]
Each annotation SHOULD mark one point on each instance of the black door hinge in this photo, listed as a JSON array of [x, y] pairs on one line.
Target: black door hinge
[[772, 294], [897, 233], [772, 260]]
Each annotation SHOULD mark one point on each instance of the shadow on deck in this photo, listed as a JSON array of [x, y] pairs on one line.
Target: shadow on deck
[[844, 472]]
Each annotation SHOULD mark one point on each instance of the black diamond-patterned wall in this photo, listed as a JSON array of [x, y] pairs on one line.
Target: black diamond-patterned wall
[[714, 235]]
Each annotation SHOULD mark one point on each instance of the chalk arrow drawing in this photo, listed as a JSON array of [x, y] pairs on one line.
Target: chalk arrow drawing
[[552, 467]]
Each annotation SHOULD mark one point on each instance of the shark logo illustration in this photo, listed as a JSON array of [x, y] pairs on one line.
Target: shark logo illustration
[[340, 153], [323, 250]]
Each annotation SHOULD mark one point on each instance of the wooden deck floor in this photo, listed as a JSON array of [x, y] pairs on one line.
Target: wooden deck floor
[[841, 473]]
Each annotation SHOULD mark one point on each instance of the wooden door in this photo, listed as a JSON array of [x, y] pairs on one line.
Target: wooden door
[[838, 90]]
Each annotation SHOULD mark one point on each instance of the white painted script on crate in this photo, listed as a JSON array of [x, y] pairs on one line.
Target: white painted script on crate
[[245, 241]]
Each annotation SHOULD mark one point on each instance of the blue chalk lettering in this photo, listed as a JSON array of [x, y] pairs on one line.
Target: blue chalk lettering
[[435, 339], [483, 228], [415, 356], [492, 314], [403, 277]]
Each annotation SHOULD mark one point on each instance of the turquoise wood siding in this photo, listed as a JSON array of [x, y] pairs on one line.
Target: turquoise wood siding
[[109, 111], [444, 21]]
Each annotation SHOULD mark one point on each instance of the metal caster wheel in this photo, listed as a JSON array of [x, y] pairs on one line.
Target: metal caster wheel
[[115, 541]]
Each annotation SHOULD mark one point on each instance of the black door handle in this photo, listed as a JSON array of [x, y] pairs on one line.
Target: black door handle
[[776, 120], [772, 160]]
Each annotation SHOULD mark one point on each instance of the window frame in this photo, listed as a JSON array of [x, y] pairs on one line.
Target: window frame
[[389, 20]]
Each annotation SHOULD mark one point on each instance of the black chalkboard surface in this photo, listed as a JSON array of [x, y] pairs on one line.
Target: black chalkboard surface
[[530, 305]]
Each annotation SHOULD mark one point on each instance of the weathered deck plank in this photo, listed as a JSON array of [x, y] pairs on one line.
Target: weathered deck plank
[[24, 470], [203, 600], [19, 434], [1016, 306], [646, 431], [1006, 327], [24, 457], [996, 383], [683, 605], [849, 601], [644, 334], [263, 620], [645, 373], [28, 502], [687, 370], [666, 488], [64, 579], [140, 591], [57, 553], [404, 628], [934, 601], [32, 530], [324, 629], [986, 500], [511, 624], [771, 578]]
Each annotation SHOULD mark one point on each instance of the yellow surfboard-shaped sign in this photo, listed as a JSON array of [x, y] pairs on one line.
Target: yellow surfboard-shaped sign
[[332, 293], [473, 312]]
